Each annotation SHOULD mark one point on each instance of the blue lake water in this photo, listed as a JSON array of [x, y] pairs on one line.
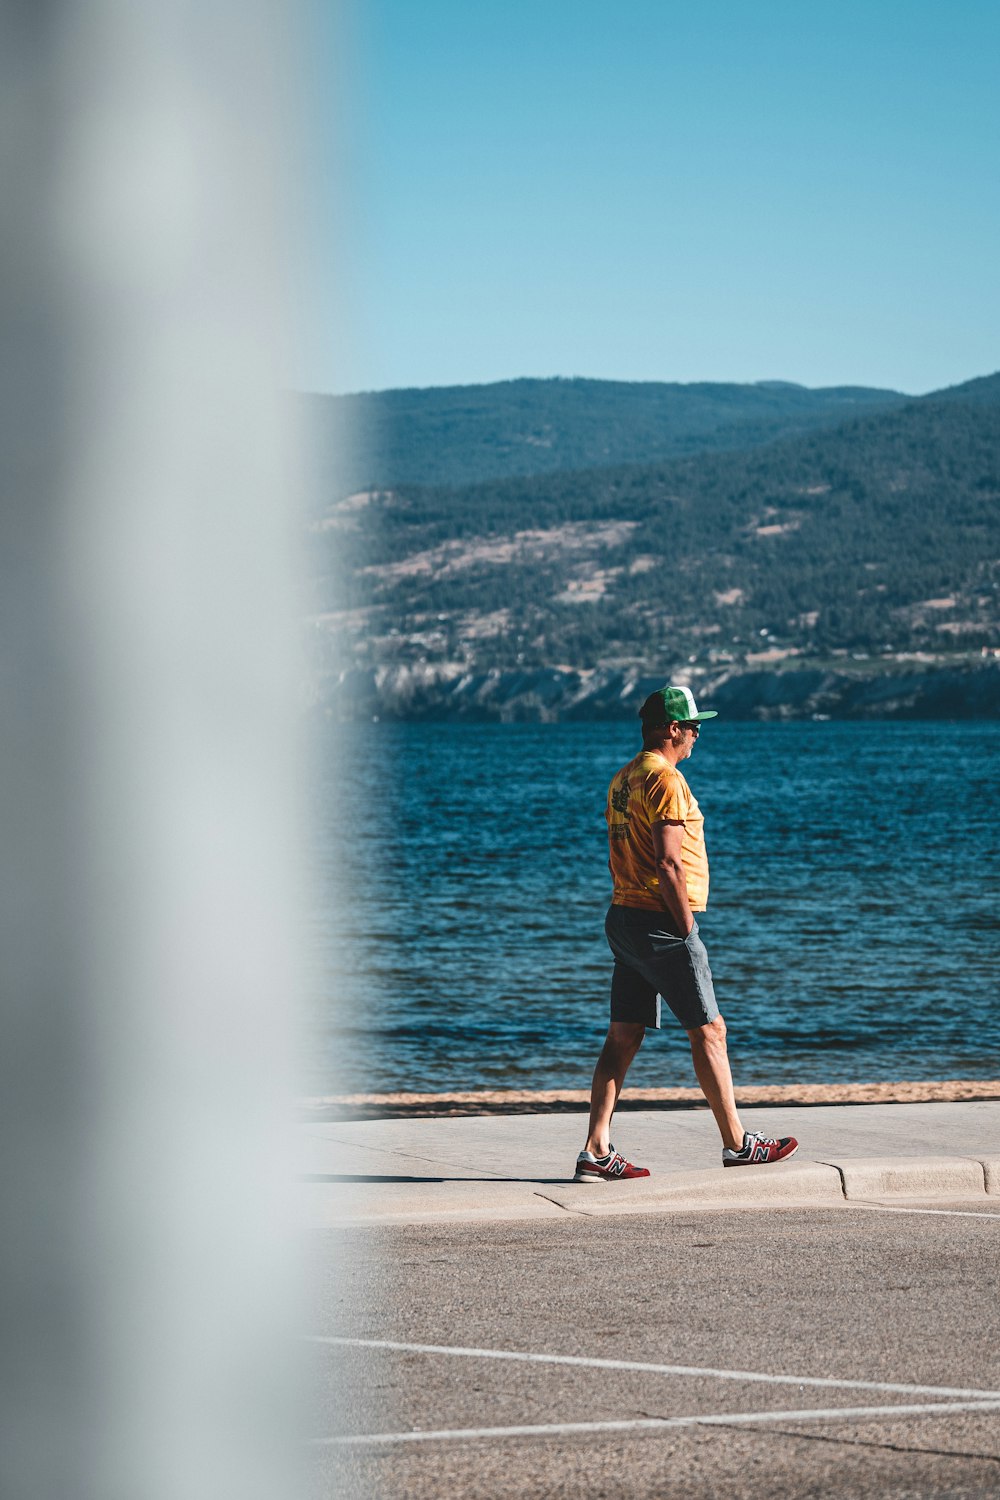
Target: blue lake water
[[462, 883]]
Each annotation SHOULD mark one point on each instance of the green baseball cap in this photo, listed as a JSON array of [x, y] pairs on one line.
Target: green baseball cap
[[672, 703]]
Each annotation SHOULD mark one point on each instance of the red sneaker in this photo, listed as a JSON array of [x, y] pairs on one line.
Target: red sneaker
[[758, 1150], [610, 1168]]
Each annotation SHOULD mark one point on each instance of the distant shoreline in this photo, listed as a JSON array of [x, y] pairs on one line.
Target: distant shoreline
[[558, 1101], [870, 689]]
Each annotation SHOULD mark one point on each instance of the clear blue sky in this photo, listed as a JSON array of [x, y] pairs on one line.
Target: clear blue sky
[[727, 190]]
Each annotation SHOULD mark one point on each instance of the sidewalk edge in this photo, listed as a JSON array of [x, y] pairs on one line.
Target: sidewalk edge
[[798, 1184]]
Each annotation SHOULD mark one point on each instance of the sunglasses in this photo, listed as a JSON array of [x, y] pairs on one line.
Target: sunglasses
[[691, 724]]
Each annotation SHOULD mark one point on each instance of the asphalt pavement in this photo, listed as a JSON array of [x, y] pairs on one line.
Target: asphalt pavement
[[481, 1326], [844, 1351]]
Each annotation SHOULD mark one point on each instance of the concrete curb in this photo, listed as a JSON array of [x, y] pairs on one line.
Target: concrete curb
[[794, 1184], [920, 1177], [444, 1203], [991, 1171], [495, 1168], [790, 1183]]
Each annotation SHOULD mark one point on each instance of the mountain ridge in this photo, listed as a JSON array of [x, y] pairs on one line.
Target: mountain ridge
[[874, 539], [467, 434]]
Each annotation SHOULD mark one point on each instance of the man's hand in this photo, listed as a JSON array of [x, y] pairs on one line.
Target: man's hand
[[670, 872]]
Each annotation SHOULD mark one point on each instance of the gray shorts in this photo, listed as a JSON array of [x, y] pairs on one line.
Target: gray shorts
[[652, 960]]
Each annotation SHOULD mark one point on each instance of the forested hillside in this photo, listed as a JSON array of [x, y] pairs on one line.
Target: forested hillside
[[463, 434], [877, 539]]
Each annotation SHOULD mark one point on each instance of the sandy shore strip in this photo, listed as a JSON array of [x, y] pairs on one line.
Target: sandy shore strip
[[551, 1101]]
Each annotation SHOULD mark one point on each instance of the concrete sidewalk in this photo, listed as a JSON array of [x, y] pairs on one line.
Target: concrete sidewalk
[[521, 1166]]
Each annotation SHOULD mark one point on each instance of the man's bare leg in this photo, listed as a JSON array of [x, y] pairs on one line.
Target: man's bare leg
[[623, 1041], [711, 1066]]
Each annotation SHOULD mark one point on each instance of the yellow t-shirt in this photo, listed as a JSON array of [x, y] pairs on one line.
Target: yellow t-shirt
[[647, 791]]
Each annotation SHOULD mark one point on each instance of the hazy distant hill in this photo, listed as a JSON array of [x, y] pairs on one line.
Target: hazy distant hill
[[464, 434], [985, 389], [875, 540]]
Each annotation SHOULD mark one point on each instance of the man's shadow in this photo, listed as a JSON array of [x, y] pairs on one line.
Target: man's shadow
[[384, 1177]]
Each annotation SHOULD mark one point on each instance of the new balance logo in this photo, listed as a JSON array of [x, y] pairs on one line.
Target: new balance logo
[[758, 1149]]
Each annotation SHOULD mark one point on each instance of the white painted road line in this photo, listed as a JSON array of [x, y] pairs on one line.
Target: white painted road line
[[954, 1213], [659, 1424], [583, 1362]]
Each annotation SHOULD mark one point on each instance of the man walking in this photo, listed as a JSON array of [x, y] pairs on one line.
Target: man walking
[[660, 871]]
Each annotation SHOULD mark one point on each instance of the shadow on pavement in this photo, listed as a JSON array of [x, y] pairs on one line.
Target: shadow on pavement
[[382, 1177]]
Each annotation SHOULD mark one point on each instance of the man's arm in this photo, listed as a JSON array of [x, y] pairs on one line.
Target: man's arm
[[670, 872]]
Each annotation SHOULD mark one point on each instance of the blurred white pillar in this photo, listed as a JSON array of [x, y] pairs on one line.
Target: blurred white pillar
[[148, 755]]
